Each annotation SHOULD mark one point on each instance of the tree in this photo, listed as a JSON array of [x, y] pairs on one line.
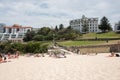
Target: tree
[[49, 37], [44, 31], [17, 46], [70, 36], [85, 26], [38, 38], [69, 27], [29, 35], [61, 27], [56, 28], [31, 47], [35, 47], [105, 25]]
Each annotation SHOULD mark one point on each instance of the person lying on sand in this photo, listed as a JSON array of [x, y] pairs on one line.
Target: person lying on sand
[[9, 55], [113, 49], [12, 56], [0, 58], [17, 54], [112, 54], [3, 58]]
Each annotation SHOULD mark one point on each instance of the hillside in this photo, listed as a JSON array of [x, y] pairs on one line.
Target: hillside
[[101, 35], [93, 36]]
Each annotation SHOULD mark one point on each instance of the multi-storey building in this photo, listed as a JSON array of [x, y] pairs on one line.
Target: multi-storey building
[[14, 33], [91, 23], [117, 27]]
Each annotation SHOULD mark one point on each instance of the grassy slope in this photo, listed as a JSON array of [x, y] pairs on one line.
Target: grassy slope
[[80, 43], [103, 35], [85, 43], [92, 35]]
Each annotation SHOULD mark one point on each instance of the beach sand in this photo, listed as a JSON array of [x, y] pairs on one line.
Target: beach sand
[[74, 67]]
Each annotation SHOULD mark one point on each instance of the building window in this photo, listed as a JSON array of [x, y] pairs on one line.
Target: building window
[[10, 30], [17, 29], [4, 30]]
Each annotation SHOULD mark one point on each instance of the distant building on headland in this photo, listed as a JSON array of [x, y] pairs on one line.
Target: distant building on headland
[[13, 33], [35, 29], [92, 24], [117, 27]]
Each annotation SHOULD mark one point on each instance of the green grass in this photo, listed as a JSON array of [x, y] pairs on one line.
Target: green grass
[[91, 36], [80, 43], [102, 35]]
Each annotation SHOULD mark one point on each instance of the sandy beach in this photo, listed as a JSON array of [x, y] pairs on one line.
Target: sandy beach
[[74, 67]]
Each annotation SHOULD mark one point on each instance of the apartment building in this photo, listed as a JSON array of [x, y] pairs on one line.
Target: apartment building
[[78, 24], [117, 27], [14, 33]]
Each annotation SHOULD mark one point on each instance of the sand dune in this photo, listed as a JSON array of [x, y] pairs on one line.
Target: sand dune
[[74, 67]]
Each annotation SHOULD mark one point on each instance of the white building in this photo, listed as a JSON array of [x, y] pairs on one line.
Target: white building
[[14, 33], [92, 24], [117, 27]]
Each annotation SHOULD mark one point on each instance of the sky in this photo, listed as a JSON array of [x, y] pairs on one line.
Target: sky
[[49, 13]]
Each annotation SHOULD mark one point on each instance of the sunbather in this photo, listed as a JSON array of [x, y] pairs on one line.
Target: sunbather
[[112, 51], [0, 58], [17, 54]]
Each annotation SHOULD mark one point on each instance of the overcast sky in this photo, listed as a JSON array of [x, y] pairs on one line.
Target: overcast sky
[[39, 13]]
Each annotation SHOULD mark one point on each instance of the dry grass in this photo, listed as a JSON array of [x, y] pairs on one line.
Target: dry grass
[[94, 50]]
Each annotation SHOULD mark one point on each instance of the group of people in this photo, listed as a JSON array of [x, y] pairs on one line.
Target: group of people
[[15, 55], [4, 57]]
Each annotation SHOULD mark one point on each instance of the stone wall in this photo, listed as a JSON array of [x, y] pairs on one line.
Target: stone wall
[[94, 49]]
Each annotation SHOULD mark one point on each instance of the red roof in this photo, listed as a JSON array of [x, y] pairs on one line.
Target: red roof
[[17, 26]]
